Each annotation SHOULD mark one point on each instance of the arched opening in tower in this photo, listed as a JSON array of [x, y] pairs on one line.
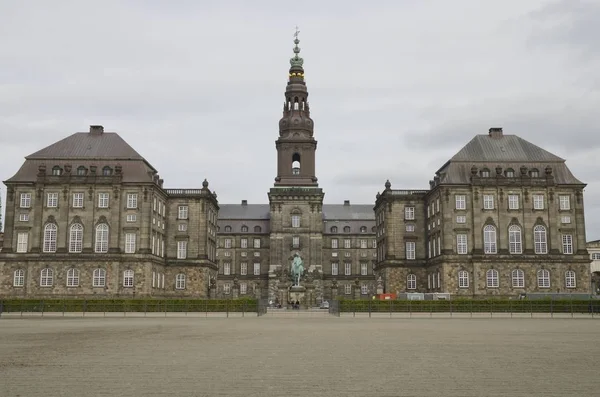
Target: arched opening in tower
[[296, 164], [296, 104]]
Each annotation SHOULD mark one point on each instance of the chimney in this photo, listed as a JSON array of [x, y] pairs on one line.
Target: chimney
[[346, 202], [496, 132], [244, 202], [96, 130]]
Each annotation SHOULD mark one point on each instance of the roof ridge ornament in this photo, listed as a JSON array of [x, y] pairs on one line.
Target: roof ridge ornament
[[296, 60]]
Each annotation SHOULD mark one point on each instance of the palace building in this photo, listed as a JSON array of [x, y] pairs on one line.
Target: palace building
[[88, 216]]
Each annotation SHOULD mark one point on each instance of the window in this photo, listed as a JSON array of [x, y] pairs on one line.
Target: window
[[228, 229], [256, 243], [347, 254], [489, 239], [539, 240], [128, 278], [132, 199], [513, 202], [570, 281], [256, 253], [25, 200], [348, 289], [488, 202], [564, 202], [99, 278], [364, 269], [76, 238], [538, 201], [363, 229], [180, 281], [333, 229], [543, 278], [411, 281], [227, 243], [50, 231], [131, 217], [24, 217], [22, 242], [437, 205], [295, 220], [567, 243], [19, 278], [244, 268], [72, 278], [46, 277], [347, 268], [77, 200], [463, 279], [518, 278], [243, 243], [515, 245], [534, 173], [182, 227], [461, 202], [102, 238], [334, 269], [56, 171], [106, 171], [461, 244], [227, 288], [410, 228], [52, 200], [374, 244], [346, 229], [296, 241], [244, 229], [243, 288], [364, 289], [257, 269], [461, 219], [257, 229], [509, 173], [410, 250], [226, 268], [182, 212], [130, 239], [492, 278], [181, 249], [565, 219], [102, 200], [347, 243], [595, 256], [485, 173], [409, 213]]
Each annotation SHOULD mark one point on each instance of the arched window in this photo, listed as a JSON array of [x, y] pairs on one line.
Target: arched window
[[19, 278], [333, 229], [257, 229], [363, 229], [373, 229], [99, 278], [76, 238], [518, 278], [515, 245], [540, 240], [180, 281], [534, 173], [485, 173], [570, 280], [463, 279], [296, 164], [346, 229], [491, 277], [50, 231], [227, 229], [128, 278], [509, 173], [489, 240], [543, 278], [102, 238], [56, 170], [81, 170], [244, 229], [46, 277], [73, 278], [107, 171], [411, 281]]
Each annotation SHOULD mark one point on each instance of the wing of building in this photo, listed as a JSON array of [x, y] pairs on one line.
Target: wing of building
[[88, 216]]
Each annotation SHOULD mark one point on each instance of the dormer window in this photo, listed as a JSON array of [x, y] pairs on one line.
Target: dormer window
[[485, 173], [244, 229], [257, 229], [56, 171], [346, 229], [107, 171], [534, 173], [227, 229], [334, 229], [81, 170], [509, 173], [363, 229]]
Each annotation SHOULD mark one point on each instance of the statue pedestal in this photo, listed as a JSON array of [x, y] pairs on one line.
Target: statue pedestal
[[298, 293]]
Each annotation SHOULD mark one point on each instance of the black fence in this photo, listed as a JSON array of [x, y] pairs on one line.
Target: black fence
[[471, 306], [175, 307]]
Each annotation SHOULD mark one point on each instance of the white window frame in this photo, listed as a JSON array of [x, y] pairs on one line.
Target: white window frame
[[99, 278], [409, 213], [490, 239], [463, 279], [364, 289], [182, 227], [570, 279], [130, 240], [243, 288], [103, 200], [348, 289], [226, 289], [492, 278], [462, 247], [364, 269], [132, 201], [538, 201], [22, 242], [295, 241], [488, 201], [23, 217], [410, 227], [567, 244], [347, 268], [411, 281], [181, 249], [564, 202], [334, 268], [461, 219], [540, 240], [513, 201], [227, 268], [19, 278], [76, 238], [50, 234], [46, 277], [180, 281], [182, 212], [102, 238], [518, 278], [257, 269], [131, 217], [565, 219], [460, 201], [347, 243], [128, 278], [515, 240], [228, 243], [295, 221], [410, 247], [52, 200], [244, 268], [72, 277], [78, 200], [256, 243], [543, 278], [243, 243], [25, 201]]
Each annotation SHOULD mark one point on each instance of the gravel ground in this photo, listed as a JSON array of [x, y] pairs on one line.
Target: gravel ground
[[316, 356]]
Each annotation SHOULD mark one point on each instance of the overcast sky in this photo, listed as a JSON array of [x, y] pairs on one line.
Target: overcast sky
[[396, 87]]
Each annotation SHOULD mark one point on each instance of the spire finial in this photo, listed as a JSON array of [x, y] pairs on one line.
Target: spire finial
[[296, 60]]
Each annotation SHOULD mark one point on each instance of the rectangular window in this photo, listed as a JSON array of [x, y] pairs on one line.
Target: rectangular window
[[132, 200], [334, 243], [513, 202], [244, 268], [227, 243], [564, 202], [257, 253], [409, 213], [461, 202], [181, 249], [227, 268], [363, 244], [461, 219], [410, 228], [23, 217], [374, 245], [256, 243], [410, 250], [257, 269], [182, 227], [295, 220], [52, 200], [103, 200], [22, 241], [565, 219], [130, 243], [538, 201], [347, 254], [25, 200], [182, 212], [227, 288], [363, 269], [243, 288], [364, 289], [154, 204], [348, 289], [347, 243], [131, 218], [437, 205], [347, 269], [567, 243], [244, 243], [334, 269], [461, 244], [77, 200], [296, 241], [488, 202]]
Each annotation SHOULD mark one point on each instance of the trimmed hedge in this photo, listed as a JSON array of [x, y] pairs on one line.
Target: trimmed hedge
[[471, 306], [129, 305]]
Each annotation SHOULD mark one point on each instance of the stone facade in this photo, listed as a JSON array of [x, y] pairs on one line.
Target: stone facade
[[593, 248]]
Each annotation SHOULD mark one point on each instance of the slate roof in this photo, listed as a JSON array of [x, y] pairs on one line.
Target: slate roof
[[247, 211], [348, 212], [502, 149]]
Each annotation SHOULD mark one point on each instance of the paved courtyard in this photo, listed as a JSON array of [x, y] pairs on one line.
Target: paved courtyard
[[320, 356]]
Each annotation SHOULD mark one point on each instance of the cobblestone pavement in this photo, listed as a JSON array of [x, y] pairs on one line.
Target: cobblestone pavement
[[273, 356]]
